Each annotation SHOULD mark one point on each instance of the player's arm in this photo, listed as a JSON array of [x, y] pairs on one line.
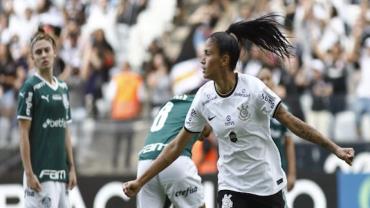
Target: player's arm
[[71, 165], [290, 155], [24, 128], [205, 133], [308, 133], [168, 155]]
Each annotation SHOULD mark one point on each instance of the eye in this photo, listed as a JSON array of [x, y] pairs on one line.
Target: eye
[[38, 51], [47, 50]]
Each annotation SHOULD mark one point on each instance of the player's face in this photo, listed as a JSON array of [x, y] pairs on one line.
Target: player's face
[[43, 54], [211, 60]]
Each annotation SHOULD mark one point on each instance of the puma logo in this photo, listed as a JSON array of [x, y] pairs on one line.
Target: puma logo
[[45, 97]]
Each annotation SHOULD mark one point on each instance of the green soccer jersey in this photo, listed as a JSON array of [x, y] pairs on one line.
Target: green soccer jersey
[[166, 125], [278, 132], [47, 106]]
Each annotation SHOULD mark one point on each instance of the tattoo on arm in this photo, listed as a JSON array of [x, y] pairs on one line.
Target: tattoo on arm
[[302, 129]]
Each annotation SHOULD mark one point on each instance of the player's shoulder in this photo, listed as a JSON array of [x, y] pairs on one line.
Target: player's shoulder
[[207, 87], [31, 82], [251, 82], [248, 78], [62, 84]]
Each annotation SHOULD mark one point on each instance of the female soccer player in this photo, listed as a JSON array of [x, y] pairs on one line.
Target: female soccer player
[[45, 144], [238, 107]]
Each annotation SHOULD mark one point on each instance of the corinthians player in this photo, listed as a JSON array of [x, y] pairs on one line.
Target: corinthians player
[[45, 143], [238, 107]]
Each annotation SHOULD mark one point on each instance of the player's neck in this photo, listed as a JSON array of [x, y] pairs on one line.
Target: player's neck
[[47, 75], [226, 84]]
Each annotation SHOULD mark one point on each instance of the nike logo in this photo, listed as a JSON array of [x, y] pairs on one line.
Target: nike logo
[[45, 97], [211, 118]]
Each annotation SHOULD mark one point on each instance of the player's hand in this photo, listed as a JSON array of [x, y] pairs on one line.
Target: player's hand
[[131, 188], [345, 154], [33, 183], [72, 182], [291, 181]]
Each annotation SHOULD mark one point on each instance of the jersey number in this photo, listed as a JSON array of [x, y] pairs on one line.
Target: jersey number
[[161, 117]]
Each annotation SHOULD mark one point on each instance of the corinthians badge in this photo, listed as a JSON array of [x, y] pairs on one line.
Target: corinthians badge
[[243, 112]]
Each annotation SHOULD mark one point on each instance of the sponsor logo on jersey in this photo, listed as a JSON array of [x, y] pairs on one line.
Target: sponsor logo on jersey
[[185, 193], [153, 147], [56, 97], [229, 122], [226, 201], [268, 97], [209, 99], [29, 103], [233, 137], [45, 97], [60, 123], [53, 174], [193, 113], [29, 192], [180, 97], [242, 93], [210, 118], [243, 111]]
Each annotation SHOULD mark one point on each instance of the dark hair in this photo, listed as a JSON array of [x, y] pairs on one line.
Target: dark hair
[[42, 35], [263, 32]]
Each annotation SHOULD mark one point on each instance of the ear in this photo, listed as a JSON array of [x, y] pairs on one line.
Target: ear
[[225, 60]]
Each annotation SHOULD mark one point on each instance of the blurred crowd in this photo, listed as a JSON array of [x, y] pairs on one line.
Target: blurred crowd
[[123, 59]]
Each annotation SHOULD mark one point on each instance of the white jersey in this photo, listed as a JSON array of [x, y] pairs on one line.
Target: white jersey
[[249, 160]]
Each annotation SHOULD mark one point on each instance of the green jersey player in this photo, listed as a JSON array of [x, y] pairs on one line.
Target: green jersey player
[[45, 144], [180, 181]]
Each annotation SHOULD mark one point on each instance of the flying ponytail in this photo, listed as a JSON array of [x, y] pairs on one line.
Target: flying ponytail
[[263, 32]]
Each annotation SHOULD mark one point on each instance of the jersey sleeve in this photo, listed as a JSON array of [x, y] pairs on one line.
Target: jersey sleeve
[[25, 102], [195, 121], [267, 100]]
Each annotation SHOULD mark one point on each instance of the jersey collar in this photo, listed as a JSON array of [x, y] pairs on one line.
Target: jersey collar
[[54, 86], [231, 92]]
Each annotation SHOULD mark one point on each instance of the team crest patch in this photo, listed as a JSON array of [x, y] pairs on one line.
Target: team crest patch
[[243, 112], [226, 201], [46, 202]]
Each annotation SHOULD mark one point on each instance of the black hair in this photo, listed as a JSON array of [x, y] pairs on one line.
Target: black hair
[[263, 32], [42, 35]]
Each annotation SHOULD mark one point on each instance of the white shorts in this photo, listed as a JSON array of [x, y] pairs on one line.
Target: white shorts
[[179, 181], [53, 195]]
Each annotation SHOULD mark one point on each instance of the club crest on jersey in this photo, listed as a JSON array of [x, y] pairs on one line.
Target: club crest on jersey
[[233, 137], [46, 202], [65, 101], [243, 111], [226, 201]]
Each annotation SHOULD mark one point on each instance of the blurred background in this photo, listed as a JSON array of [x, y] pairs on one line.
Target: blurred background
[[155, 45]]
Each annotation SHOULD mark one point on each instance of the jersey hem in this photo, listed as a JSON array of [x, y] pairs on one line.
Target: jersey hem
[[24, 117], [193, 132], [246, 192], [273, 115]]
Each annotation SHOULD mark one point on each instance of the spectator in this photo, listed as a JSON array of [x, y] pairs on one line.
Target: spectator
[[159, 83], [98, 60], [320, 90], [125, 89]]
